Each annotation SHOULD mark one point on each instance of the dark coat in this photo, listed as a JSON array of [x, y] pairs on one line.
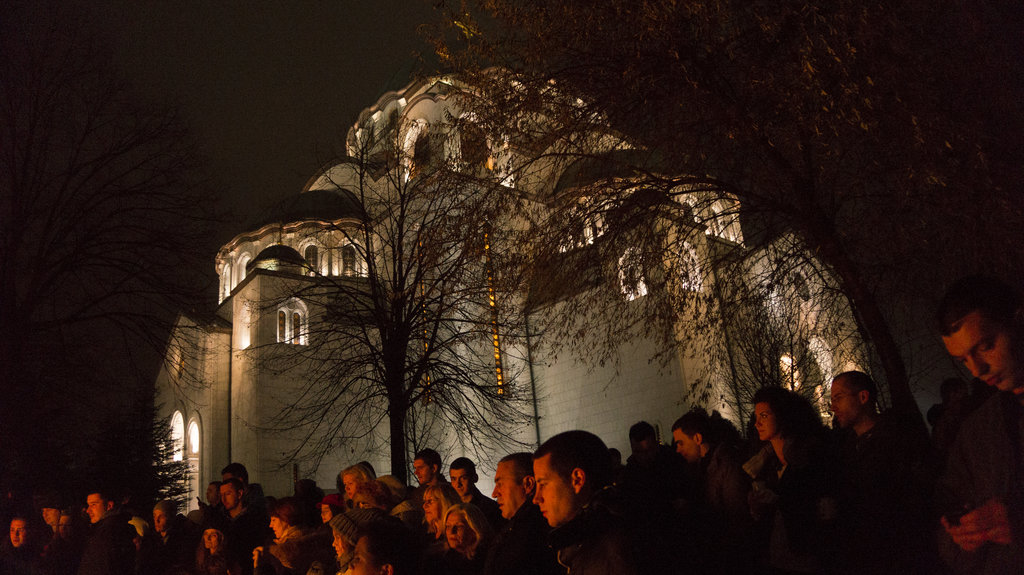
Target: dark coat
[[594, 543], [244, 533], [111, 548], [986, 462], [490, 509], [520, 547]]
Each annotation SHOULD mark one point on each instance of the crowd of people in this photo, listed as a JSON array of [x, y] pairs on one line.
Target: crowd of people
[[871, 493]]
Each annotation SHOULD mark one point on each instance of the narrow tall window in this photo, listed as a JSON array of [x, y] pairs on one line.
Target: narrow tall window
[[312, 260], [348, 260], [282, 328], [296, 328]]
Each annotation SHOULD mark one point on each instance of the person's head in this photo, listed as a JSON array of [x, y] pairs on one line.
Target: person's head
[[163, 512], [465, 527], [19, 531], [213, 540], [51, 516], [783, 414], [231, 491], [643, 442], [384, 548], [372, 494], [691, 434], [953, 389], [436, 501], [427, 466], [352, 477], [98, 505], [235, 470], [569, 469], [514, 483], [67, 524], [462, 474], [284, 514], [347, 527], [330, 506], [981, 323], [854, 395], [213, 493], [395, 487]]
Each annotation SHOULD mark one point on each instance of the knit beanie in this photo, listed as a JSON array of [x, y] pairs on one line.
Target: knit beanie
[[350, 523]]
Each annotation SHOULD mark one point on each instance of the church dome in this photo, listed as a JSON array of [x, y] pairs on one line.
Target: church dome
[[277, 257], [322, 205]]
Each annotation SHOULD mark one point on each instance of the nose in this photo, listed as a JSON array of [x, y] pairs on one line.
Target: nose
[[976, 365]]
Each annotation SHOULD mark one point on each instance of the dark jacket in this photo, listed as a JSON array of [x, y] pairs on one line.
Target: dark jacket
[[175, 553], [520, 547], [986, 462], [594, 543], [111, 548], [244, 533], [489, 507]]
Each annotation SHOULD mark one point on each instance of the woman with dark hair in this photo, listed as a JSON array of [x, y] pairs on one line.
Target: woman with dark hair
[[295, 547], [211, 556], [791, 495]]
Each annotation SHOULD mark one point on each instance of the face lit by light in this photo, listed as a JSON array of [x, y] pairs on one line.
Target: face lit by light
[[325, 513], [212, 540], [508, 492], [160, 521], [686, 445], [96, 507], [425, 473], [460, 536], [848, 404], [19, 531], [555, 495], [340, 547], [431, 508], [351, 484], [51, 516], [988, 350], [460, 480], [767, 426], [230, 497], [278, 526]]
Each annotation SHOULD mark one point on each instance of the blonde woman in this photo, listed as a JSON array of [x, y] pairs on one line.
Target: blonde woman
[[468, 535], [436, 501]]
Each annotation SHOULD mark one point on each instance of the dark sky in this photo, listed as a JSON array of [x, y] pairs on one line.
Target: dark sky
[[269, 88]]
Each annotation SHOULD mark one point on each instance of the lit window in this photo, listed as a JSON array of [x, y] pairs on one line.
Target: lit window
[[178, 436], [292, 323], [348, 260], [193, 438], [631, 275], [492, 301], [312, 259]]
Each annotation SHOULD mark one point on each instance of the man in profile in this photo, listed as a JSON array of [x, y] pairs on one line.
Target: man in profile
[[521, 544], [982, 489], [111, 548], [571, 470]]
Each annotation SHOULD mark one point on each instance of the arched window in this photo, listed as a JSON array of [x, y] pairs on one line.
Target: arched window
[[292, 323], [312, 259], [242, 263], [631, 275], [177, 437], [691, 275], [413, 133], [225, 281], [193, 464], [348, 260]]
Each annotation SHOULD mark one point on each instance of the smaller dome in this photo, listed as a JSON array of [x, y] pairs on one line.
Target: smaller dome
[[276, 257]]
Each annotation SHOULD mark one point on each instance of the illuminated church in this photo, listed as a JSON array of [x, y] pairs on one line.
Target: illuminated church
[[231, 372]]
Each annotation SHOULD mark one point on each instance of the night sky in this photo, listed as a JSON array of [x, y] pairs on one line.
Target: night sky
[[269, 88]]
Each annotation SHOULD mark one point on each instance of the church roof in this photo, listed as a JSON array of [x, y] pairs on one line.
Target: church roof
[[323, 205], [273, 257]]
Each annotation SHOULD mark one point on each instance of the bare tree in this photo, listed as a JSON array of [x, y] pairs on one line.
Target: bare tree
[[858, 130], [100, 229], [417, 334]]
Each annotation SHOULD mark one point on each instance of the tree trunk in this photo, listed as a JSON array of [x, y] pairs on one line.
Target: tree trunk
[[397, 410]]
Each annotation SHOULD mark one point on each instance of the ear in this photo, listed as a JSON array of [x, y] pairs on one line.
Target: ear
[[578, 478], [698, 438], [529, 483], [387, 569], [863, 396]]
